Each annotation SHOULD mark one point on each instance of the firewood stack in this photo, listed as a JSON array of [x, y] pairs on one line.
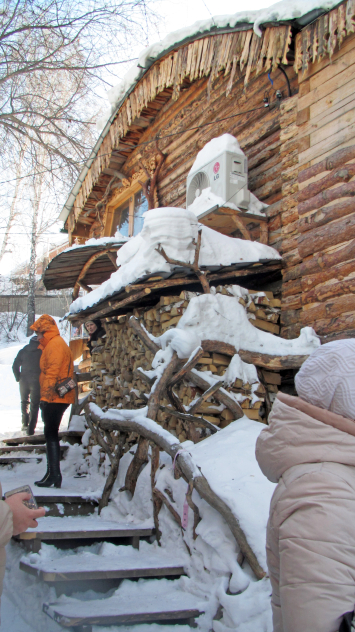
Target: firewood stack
[[120, 359]]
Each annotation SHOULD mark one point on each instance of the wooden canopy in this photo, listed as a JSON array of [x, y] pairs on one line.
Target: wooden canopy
[[146, 291], [94, 263]]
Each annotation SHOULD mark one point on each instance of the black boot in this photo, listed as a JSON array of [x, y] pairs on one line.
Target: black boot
[[25, 420], [53, 477]]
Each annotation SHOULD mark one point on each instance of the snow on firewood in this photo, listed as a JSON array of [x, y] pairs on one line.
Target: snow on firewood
[[224, 318]]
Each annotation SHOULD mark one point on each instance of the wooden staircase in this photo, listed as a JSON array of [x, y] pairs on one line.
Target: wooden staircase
[[72, 524]]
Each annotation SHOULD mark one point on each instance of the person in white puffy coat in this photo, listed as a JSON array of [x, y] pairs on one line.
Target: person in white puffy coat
[[309, 450]]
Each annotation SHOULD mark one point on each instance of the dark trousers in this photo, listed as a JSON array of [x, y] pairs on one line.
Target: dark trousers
[[30, 397], [52, 414]]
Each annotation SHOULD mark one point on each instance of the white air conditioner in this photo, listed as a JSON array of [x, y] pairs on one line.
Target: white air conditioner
[[227, 175]]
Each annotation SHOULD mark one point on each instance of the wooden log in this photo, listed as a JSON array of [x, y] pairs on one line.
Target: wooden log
[[336, 272], [194, 508], [272, 362], [319, 239], [112, 476], [85, 269], [166, 441], [143, 335], [342, 174], [344, 190], [163, 500], [216, 346], [338, 306], [113, 452], [183, 280], [135, 467], [161, 385], [99, 438], [157, 503], [331, 162], [220, 395], [84, 286], [210, 391], [326, 214], [191, 418], [330, 288], [188, 366], [319, 262], [202, 276], [81, 317]]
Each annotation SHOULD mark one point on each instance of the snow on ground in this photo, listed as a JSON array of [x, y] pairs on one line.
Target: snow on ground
[[176, 230], [213, 575], [10, 404]]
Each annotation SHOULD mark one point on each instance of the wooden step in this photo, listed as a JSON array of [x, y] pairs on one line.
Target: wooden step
[[123, 563], [37, 449], [148, 603], [65, 505], [12, 460], [71, 436], [78, 528]]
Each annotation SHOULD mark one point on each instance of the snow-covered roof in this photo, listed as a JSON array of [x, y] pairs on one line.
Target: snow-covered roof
[[117, 239], [298, 12], [176, 230]]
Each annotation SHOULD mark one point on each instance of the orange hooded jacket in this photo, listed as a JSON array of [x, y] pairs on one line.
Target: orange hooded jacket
[[56, 361]]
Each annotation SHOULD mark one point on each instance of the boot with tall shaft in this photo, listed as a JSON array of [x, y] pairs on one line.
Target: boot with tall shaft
[[53, 477]]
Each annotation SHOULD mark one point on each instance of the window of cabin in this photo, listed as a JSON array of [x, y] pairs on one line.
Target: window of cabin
[[128, 217]]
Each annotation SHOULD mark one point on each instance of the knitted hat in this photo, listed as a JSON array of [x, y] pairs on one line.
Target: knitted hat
[[327, 378]]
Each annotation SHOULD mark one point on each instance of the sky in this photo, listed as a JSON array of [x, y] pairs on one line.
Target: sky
[[174, 14]]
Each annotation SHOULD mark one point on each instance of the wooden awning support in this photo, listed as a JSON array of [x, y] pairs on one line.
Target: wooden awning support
[[79, 282]]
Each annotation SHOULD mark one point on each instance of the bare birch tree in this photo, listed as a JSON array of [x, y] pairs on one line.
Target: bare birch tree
[[14, 208], [43, 46]]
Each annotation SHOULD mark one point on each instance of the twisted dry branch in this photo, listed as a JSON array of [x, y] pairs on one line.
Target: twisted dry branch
[[151, 431]]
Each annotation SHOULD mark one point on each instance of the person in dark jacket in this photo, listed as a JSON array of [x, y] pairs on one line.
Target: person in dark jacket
[[26, 371], [95, 331]]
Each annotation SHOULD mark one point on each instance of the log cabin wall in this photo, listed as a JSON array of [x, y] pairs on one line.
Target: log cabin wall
[[258, 132], [213, 77], [319, 279]]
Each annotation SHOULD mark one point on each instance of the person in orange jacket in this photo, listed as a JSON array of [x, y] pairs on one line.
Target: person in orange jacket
[[56, 364]]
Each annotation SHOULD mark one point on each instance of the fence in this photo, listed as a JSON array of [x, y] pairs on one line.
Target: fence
[[53, 305]]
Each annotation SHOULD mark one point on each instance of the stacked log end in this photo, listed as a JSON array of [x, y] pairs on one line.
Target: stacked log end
[[120, 359]]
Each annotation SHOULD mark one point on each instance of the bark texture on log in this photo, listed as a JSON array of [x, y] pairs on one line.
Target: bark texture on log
[[326, 214], [142, 334], [337, 159], [221, 395], [318, 239], [343, 174], [156, 501], [171, 445], [344, 190], [272, 362], [135, 467]]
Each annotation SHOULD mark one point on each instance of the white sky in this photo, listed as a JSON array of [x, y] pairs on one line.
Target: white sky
[[175, 14]]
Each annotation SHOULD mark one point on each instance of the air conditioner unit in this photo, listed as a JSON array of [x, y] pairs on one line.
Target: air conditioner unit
[[226, 174]]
